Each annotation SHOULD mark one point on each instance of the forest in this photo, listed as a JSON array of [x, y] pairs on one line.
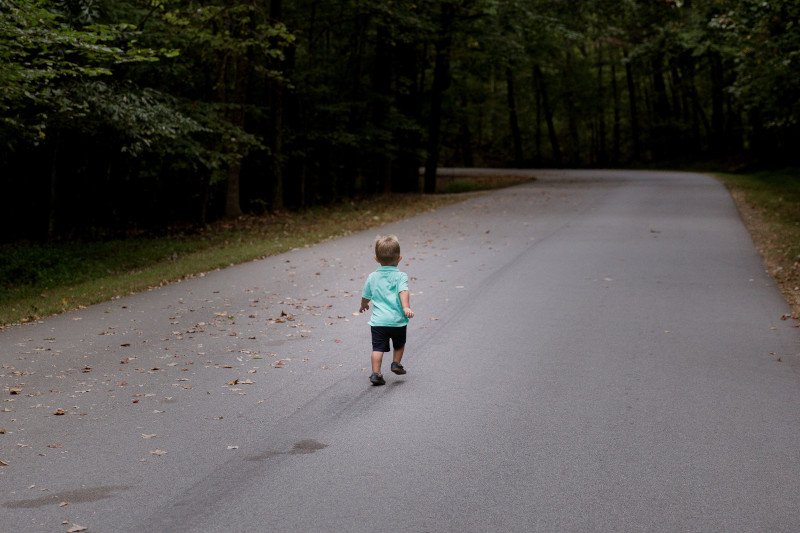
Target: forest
[[126, 116]]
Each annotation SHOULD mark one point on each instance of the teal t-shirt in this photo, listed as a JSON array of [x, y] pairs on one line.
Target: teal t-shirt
[[383, 288]]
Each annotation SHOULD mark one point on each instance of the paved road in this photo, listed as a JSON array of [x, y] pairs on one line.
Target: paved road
[[592, 351]]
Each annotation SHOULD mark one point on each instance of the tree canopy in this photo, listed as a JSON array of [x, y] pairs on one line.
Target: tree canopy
[[135, 114]]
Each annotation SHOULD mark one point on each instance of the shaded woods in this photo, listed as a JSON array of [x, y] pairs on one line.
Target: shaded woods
[[132, 115]]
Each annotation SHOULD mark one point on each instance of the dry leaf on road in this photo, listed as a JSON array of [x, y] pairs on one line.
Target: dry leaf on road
[[241, 382]]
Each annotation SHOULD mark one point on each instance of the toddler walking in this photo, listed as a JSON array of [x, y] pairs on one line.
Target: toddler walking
[[387, 289]]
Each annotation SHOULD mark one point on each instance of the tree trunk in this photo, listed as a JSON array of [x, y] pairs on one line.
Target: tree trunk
[[538, 132], [717, 103], [276, 113], [382, 86], [52, 192], [574, 146], [236, 116], [441, 82], [548, 115], [661, 103], [661, 137], [602, 154], [634, 111], [465, 135], [233, 206], [697, 115], [513, 121], [615, 143], [405, 175]]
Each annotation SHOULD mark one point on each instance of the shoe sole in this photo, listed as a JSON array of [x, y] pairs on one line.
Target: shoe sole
[[377, 383], [399, 371]]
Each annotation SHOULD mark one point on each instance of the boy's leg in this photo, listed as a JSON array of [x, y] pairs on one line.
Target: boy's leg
[[398, 354], [377, 360], [399, 343], [380, 344]]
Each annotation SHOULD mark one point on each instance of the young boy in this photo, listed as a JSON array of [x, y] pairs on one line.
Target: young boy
[[387, 289]]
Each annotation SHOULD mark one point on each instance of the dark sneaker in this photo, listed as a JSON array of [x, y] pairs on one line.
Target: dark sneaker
[[397, 368], [377, 379]]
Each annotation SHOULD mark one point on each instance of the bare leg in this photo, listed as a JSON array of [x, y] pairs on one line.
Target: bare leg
[[377, 360], [398, 354]]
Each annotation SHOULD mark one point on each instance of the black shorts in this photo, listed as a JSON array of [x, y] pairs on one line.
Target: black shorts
[[382, 334]]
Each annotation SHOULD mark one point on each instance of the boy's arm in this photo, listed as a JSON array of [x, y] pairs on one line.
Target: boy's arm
[[405, 300], [364, 305]]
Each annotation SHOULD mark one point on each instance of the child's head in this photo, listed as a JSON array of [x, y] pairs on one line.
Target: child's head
[[387, 250]]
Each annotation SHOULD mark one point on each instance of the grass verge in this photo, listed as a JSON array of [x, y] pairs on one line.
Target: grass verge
[[38, 280], [769, 203]]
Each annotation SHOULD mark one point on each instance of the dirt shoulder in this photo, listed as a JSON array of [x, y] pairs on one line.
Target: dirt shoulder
[[775, 241]]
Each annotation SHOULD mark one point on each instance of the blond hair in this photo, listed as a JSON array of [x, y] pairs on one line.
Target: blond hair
[[387, 250]]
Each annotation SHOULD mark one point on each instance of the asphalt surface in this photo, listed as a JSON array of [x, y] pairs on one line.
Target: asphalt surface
[[591, 351]]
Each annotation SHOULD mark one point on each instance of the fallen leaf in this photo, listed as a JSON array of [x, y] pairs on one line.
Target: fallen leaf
[[233, 447], [60, 412], [3, 463], [157, 452], [63, 504], [148, 435], [76, 529], [15, 390]]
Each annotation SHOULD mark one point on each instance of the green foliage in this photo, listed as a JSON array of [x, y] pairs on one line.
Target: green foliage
[[298, 102], [764, 38], [44, 61]]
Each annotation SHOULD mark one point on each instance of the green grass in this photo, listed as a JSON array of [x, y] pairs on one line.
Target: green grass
[[775, 195], [38, 280], [769, 202]]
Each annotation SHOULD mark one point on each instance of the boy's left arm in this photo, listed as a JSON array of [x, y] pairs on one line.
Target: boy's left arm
[[364, 305], [405, 300]]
